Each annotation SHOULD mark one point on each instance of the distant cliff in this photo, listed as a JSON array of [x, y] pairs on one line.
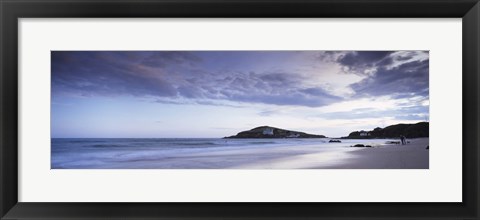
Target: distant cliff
[[271, 132], [394, 131]]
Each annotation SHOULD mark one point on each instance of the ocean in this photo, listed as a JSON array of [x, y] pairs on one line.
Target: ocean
[[199, 153]]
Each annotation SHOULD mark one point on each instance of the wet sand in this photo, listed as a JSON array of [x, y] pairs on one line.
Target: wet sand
[[410, 156], [391, 156]]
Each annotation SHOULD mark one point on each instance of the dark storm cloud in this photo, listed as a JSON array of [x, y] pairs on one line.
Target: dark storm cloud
[[87, 73], [398, 75], [190, 92], [316, 91], [363, 58], [163, 59], [274, 88], [406, 80], [177, 76], [403, 58]]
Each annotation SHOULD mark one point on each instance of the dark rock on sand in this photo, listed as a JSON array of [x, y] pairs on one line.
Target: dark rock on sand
[[334, 141], [361, 145]]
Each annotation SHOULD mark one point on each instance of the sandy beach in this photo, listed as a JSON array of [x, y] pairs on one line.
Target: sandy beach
[[392, 156], [410, 156]]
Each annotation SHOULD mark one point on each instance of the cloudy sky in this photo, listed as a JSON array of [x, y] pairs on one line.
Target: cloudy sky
[[220, 93]]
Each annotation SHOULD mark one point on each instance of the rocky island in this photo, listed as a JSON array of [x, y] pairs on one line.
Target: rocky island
[[272, 132], [417, 130]]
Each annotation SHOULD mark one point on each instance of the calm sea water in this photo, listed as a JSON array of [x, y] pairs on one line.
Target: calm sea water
[[175, 153]]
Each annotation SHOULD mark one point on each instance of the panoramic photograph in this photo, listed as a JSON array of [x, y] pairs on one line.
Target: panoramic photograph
[[240, 109]]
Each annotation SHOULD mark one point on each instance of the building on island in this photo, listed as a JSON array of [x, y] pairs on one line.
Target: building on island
[[268, 131], [293, 135], [364, 133]]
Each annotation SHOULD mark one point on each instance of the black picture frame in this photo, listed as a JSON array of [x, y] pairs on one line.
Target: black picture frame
[[12, 10]]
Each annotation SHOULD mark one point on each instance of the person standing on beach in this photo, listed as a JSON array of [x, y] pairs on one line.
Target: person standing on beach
[[403, 139]]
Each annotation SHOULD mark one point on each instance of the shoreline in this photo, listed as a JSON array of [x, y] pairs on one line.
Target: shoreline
[[302, 155]]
